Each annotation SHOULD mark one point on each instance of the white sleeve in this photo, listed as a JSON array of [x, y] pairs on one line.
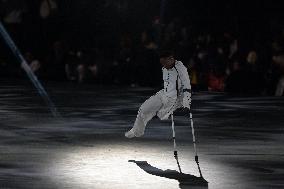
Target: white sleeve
[[183, 74]]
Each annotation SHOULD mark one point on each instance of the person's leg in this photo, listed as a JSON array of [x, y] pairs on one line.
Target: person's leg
[[280, 87], [146, 112]]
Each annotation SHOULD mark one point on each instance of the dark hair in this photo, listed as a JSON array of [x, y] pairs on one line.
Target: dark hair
[[166, 53]]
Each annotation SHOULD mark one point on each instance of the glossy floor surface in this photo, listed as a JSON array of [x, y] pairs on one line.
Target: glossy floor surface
[[240, 141]]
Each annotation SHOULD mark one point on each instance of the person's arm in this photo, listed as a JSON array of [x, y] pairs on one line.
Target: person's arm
[[184, 77]]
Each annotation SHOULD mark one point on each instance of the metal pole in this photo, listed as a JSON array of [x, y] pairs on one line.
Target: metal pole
[[194, 144], [175, 146]]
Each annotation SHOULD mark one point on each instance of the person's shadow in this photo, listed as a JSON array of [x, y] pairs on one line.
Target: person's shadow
[[186, 181]]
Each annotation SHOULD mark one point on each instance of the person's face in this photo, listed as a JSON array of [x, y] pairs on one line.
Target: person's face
[[167, 62], [252, 57]]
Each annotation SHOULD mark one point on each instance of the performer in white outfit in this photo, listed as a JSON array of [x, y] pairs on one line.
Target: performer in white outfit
[[176, 94]]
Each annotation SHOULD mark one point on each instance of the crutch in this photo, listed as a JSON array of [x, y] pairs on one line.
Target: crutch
[[194, 143], [174, 140]]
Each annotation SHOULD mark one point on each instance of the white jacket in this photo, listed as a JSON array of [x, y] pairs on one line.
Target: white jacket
[[175, 80]]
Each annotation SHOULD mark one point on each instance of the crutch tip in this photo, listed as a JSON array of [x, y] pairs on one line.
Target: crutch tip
[[196, 159], [175, 153]]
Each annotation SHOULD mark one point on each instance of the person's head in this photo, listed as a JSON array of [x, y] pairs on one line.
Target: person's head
[[252, 57], [167, 59]]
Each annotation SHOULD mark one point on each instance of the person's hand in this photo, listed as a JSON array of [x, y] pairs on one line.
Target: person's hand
[[186, 102]]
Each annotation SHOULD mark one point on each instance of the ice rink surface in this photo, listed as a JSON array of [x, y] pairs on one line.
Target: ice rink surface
[[240, 140]]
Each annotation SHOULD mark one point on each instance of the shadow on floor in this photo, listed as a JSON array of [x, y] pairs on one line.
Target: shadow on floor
[[186, 181]]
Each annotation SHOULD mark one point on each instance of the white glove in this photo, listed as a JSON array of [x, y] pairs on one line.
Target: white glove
[[186, 101]]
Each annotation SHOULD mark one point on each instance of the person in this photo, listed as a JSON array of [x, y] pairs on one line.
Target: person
[[253, 74], [175, 94], [278, 60]]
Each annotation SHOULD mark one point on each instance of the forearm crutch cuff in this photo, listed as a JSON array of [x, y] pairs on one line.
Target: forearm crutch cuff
[[186, 90]]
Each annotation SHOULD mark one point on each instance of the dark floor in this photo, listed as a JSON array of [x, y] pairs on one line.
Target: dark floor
[[240, 141]]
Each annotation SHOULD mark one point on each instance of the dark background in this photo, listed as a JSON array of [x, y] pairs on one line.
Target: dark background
[[108, 34]]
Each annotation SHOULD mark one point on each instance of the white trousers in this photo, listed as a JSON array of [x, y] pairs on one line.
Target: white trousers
[[280, 87], [158, 104]]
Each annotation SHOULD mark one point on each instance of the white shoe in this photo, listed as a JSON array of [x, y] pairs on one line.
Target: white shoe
[[129, 134]]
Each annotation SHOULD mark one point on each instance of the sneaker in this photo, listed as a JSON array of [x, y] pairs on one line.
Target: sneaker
[[129, 134]]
